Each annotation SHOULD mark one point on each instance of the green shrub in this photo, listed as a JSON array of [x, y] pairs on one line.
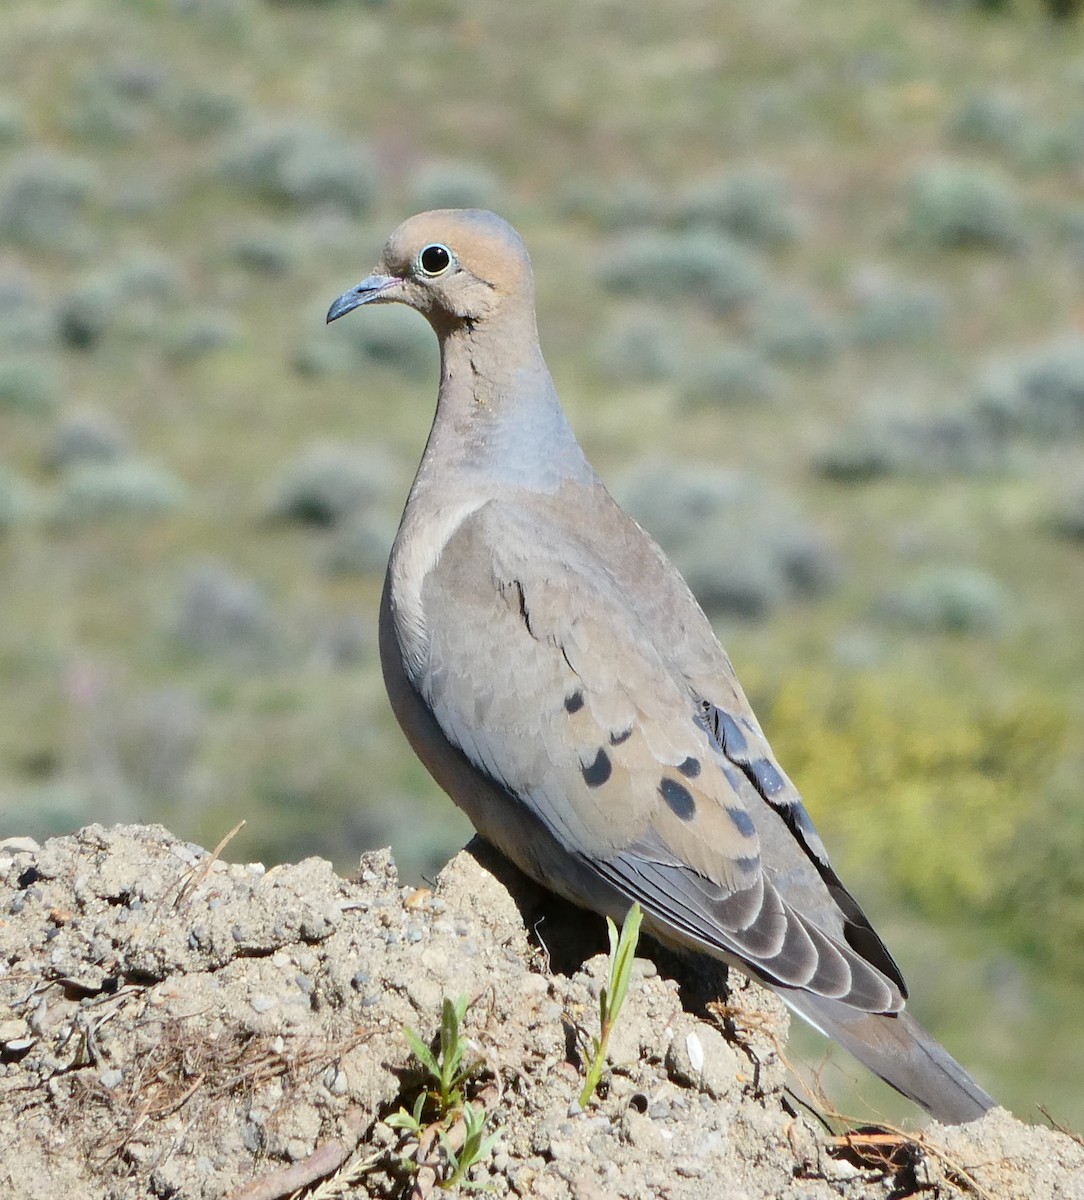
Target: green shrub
[[1040, 394], [951, 206], [86, 313], [1069, 514], [219, 612], [45, 201], [693, 266], [198, 111], [132, 297], [990, 120], [455, 185], [728, 376], [638, 347], [330, 482], [109, 104], [893, 313], [790, 331], [922, 789], [742, 552], [265, 251], [12, 122], [16, 500], [916, 445], [395, 337], [616, 204], [301, 165], [24, 324], [27, 385], [83, 437], [362, 545], [126, 488], [950, 599], [750, 207], [199, 334]]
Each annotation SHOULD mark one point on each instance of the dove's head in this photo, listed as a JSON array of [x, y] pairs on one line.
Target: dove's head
[[456, 266]]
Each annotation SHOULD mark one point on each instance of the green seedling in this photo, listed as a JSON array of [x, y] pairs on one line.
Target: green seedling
[[448, 1070], [410, 1121], [450, 1067], [477, 1145], [622, 955]]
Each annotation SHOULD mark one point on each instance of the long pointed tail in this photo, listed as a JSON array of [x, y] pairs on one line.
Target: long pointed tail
[[897, 1048]]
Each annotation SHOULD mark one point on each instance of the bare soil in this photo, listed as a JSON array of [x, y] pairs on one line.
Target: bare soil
[[176, 1026]]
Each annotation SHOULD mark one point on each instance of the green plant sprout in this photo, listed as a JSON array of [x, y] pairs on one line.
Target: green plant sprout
[[450, 1067], [448, 1070], [410, 1121], [477, 1145], [622, 955]]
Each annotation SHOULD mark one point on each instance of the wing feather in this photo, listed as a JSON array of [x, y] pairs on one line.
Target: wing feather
[[584, 719]]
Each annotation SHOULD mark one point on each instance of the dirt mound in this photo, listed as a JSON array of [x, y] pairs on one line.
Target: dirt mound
[[172, 1025]]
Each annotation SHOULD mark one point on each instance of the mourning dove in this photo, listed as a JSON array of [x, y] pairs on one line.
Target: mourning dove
[[554, 673]]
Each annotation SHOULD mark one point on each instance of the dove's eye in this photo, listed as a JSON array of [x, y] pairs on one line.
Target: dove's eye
[[435, 259]]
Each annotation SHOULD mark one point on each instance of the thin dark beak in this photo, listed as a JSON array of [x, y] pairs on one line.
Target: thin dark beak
[[371, 288]]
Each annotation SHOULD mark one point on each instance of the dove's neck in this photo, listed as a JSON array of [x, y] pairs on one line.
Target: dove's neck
[[498, 419]]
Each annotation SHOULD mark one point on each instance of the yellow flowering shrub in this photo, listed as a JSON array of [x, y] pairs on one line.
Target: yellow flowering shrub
[[953, 806]]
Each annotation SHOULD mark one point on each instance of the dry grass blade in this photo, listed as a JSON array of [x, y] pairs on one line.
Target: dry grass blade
[[199, 873], [1060, 1127], [183, 1069]]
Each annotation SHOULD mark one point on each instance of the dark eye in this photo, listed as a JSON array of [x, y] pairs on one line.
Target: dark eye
[[434, 259]]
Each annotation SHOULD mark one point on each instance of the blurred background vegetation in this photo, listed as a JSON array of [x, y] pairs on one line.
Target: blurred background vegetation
[[810, 282]]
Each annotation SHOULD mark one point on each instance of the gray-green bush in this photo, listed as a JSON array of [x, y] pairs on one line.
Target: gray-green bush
[[27, 385], [728, 375], [952, 206], [742, 551], [638, 347], [751, 207], [948, 599], [453, 184], [790, 330], [330, 482], [45, 201], [301, 165], [127, 488], [693, 266], [85, 436], [919, 445], [1040, 394]]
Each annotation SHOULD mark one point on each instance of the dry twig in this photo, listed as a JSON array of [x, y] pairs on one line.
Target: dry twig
[[328, 1157], [200, 872]]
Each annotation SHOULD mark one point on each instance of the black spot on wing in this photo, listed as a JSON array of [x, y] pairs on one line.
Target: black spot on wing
[[690, 768], [623, 735], [574, 702], [743, 822], [678, 798], [597, 772]]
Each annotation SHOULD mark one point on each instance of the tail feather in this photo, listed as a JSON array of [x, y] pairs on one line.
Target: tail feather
[[897, 1048]]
